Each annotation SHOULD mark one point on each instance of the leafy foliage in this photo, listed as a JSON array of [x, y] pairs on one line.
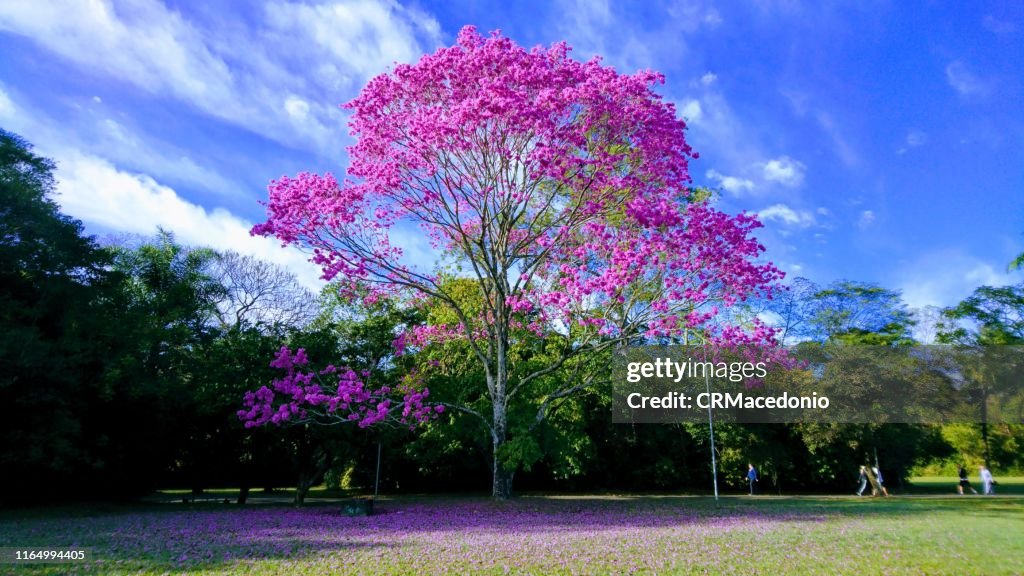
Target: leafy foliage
[[56, 297], [560, 188]]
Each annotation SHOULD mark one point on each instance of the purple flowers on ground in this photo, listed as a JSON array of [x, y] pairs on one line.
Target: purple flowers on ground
[[573, 535], [524, 536]]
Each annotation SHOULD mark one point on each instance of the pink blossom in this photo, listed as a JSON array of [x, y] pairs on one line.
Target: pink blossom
[[307, 395], [561, 186]]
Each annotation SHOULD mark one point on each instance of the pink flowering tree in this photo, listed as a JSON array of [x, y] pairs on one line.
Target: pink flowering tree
[[560, 187], [332, 395]]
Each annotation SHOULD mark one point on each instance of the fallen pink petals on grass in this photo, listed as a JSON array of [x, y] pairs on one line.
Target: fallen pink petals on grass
[[524, 536]]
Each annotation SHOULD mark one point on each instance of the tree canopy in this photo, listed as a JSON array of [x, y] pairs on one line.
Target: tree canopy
[[560, 187]]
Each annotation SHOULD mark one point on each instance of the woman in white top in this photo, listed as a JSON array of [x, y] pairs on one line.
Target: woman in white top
[[986, 481]]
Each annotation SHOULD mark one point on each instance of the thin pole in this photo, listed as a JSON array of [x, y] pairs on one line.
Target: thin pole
[[714, 466], [711, 430], [376, 480]]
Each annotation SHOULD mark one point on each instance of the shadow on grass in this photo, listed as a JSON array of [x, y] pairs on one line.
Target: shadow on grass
[[162, 540]]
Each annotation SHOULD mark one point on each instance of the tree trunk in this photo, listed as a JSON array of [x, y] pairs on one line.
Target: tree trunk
[[310, 476], [984, 423], [305, 483], [245, 474], [501, 486], [984, 440]]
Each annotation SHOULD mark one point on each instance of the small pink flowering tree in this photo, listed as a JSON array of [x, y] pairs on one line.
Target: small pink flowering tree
[[560, 187], [332, 395], [328, 396]]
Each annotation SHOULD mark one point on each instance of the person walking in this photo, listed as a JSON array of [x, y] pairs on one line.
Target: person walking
[[878, 477], [986, 481], [964, 482], [863, 479], [751, 477]]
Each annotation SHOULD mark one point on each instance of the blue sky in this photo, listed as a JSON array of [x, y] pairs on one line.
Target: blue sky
[[879, 141]]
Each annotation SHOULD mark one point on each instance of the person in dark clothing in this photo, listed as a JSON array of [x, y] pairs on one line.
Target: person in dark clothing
[[751, 477], [964, 482]]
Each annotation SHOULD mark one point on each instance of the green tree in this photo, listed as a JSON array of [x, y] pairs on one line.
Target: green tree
[[989, 316], [56, 331], [166, 299], [862, 329], [988, 327], [251, 309], [1018, 262], [852, 311], [861, 313]]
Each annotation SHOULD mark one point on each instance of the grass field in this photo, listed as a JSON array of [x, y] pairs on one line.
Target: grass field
[[539, 535]]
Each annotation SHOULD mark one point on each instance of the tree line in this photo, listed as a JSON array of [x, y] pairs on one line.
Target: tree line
[[123, 365]]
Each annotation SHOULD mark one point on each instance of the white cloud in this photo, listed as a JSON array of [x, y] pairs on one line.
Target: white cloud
[[722, 130], [296, 107], [611, 30], [6, 106], [737, 148], [798, 100], [91, 189], [999, 27], [866, 219], [712, 17], [368, 36], [123, 146], [786, 215], [118, 144], [692, 111], [945, 277], [842, 147], [785, 171], [731, 183], [966, 82], [592, 29], [94, 191], [916, 138], [143, 43], [804, 104], [323, 52], [694, 13]]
